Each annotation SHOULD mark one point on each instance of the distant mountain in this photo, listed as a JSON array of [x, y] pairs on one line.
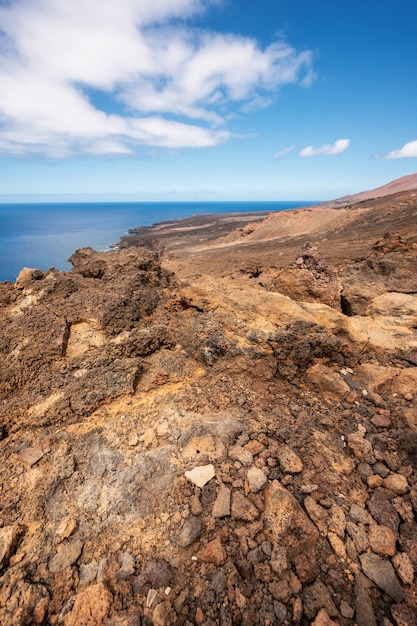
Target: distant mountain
[[406, 183]]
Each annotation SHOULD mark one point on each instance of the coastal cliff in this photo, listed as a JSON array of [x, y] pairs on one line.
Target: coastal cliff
[[217, 428]]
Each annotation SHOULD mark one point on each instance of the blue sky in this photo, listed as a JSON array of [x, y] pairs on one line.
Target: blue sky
[[221, 100]]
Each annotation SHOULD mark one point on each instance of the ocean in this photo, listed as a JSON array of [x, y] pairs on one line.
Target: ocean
[[45, 235]]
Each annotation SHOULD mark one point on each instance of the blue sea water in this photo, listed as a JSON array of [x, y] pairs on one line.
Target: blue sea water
[[45, 235]]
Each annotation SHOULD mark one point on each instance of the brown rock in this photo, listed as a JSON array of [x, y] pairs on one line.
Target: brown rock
[[307, 567], [316, 597], [383, 512], [358, 536], [318, 514], [403, 615], [287, 524], [30, 456], [326, 380], [91, 607], [381, 421], [290, 461], [374, 481], [280, 590], [397, 483], [221, 506], [382, 540], [242, 508], [9, 536], [66, 555], [323, 619], [404, 567], [382, 574], [360, 446], [213, 552], [337, 545]]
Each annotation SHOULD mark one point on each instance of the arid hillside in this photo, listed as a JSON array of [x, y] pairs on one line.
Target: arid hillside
[[218, 427]]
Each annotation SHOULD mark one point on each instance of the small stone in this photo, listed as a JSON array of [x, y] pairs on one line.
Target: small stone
[[127, 566], [404, 567], [358, 536], [88, 573], [221, 506], [195, 505], [358, 514], [309, 488], [91, 606], [279, 561], [65, 529], [346, 610], [155, 574], [382, 540], [280, 590], [365, 615], [307, 567], [337, 545], [381, 469], [190, 531], [218, 582], [317, 597], [152, 593], [403, 615], [360, 446], [404, 509], [255, 447], [290, 462], [337, 521], [237, 453], [374, 481], [381, 421], [280, 612], [201, 475], [66, 555], [213, 552], [323, 619], [383, 512], [30, 456], [242, 508], [133, 439], [256, 479], [9, 536], [382, 573], [397, 483], [317, 514]]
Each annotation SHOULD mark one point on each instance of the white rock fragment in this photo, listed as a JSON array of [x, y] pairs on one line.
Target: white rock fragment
[[152, 593], [201, 475], [256, 479]]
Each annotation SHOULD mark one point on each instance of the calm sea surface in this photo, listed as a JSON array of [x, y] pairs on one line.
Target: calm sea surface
[[45, 235]]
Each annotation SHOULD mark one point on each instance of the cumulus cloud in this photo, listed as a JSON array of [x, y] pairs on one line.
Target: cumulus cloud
[[409, 150], [331, 149], [281, 153], [168, 84]]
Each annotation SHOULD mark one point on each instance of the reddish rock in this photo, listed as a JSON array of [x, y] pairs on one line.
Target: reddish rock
[[91, 607], [382, 540], [242, 508], [213, 552], [397, 483], [287, 524]]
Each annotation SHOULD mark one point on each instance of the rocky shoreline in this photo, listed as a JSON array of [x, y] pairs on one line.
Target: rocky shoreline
[[234, 442]]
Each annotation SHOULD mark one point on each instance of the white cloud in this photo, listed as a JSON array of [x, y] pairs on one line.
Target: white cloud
[[409, 150], [331, 149], [281, 153], [139, 55]]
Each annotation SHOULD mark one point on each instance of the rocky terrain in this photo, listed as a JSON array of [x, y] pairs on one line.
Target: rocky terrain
[[217, 428]]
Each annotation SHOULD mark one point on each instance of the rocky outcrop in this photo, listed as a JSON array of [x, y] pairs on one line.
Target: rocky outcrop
[[204, 452]]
